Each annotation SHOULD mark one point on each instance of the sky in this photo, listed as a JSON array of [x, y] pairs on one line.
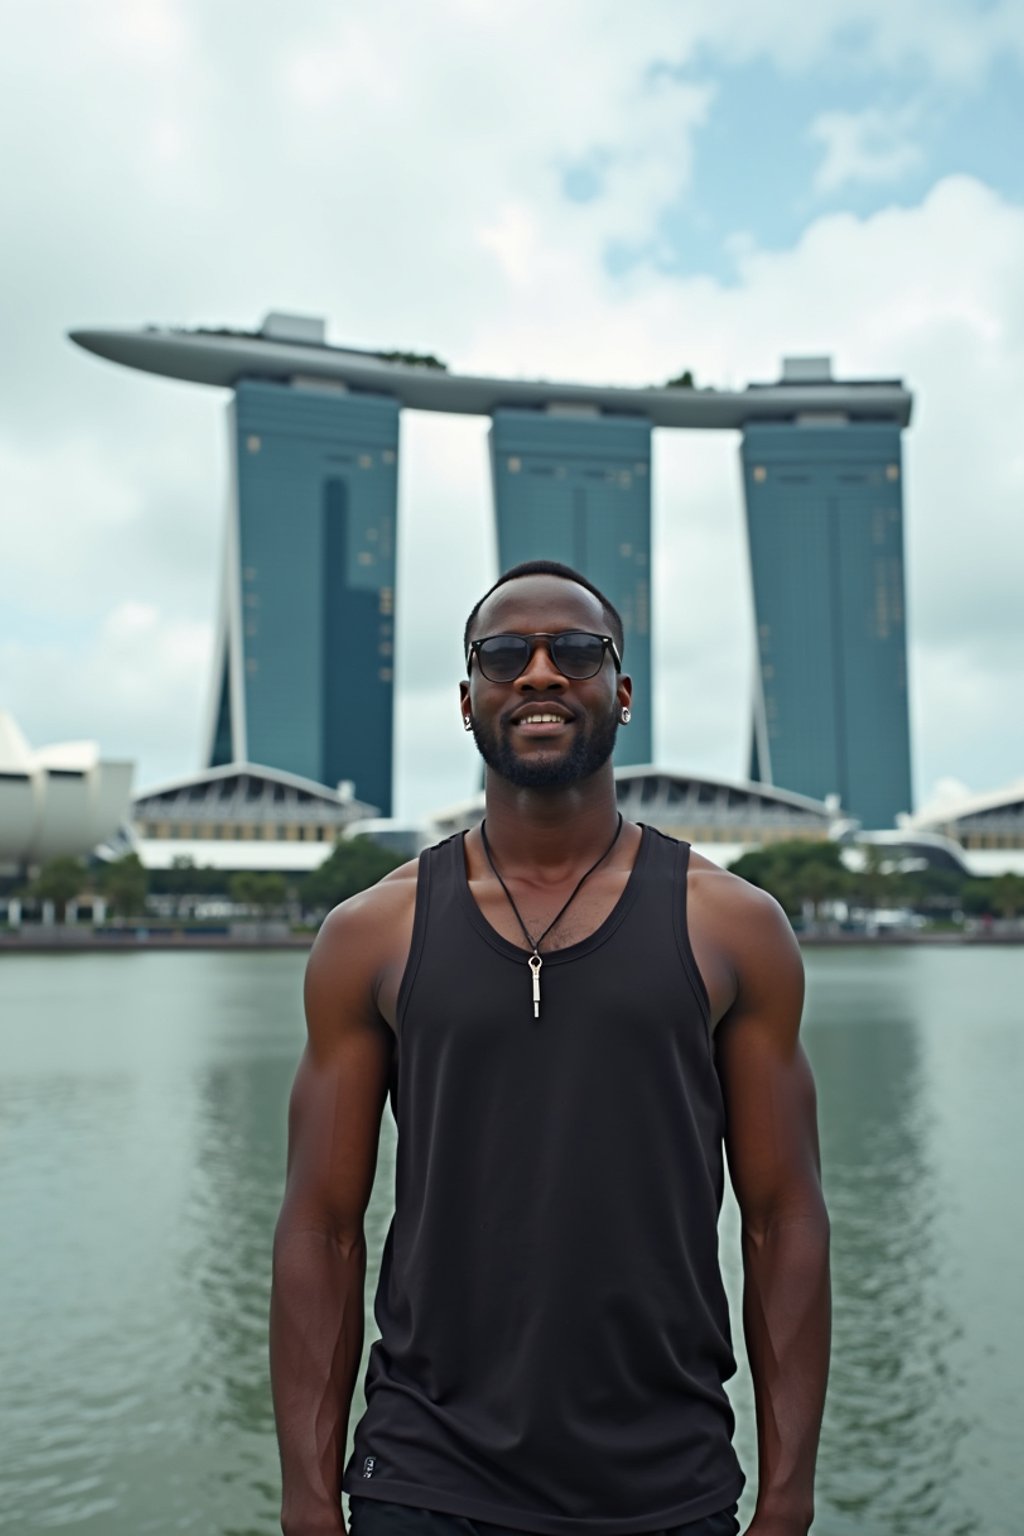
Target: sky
[[586, 191]]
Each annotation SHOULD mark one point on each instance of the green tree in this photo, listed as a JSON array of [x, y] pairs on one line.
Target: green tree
[[59, 881], [125, 884], [265, 891], [933, 892], [821, 880], [796, 872], [273, 892], [415, 359], [184, 878], [682, 380], [872, 881], [350, 868], [1008, 894], [977, 897]]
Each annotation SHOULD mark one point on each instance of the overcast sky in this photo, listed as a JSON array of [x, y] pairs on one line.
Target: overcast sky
[[580, 190]]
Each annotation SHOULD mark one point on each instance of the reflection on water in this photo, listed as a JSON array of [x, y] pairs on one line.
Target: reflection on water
[[895, 1411], [143, 1153], [142, 1113]]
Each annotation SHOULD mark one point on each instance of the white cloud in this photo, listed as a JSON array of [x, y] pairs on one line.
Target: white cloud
[[149, 30], [514, 239], [91, 512], [946, 795], [868, 146], [952, 41], [136, 684]]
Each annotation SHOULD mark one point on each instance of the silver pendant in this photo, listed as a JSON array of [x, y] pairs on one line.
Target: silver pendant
[[535, 962]]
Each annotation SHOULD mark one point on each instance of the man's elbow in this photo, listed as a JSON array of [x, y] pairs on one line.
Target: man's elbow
[[799, 1216], [332, 1234]]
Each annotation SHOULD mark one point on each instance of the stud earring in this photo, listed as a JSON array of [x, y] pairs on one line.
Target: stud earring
[[467, 722], [625, 716]]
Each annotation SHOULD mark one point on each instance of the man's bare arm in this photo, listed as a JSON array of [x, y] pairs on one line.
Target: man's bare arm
[[316, 1313], [772, 1144]]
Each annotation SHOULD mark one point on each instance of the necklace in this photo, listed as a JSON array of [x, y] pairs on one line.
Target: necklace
[[534, 960]]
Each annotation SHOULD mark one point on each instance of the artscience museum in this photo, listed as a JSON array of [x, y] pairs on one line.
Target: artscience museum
[[57, 801]]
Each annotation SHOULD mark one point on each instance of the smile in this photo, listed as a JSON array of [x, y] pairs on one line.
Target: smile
[[541, 723]]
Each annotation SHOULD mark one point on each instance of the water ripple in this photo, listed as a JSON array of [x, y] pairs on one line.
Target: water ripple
[[142, 1138]]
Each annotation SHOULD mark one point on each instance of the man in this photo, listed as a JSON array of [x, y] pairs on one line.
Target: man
[[571, 1015]]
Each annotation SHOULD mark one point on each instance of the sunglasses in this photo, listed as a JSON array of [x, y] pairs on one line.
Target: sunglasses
[[575, 652]]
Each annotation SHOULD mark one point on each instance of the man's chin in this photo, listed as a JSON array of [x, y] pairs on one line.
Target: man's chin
[[548, 767], [542, 771]]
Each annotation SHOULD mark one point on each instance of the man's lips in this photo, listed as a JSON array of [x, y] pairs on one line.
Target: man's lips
[[548, 727]]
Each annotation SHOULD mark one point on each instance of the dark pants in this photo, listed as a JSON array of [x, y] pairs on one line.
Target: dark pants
[[374, 1517]]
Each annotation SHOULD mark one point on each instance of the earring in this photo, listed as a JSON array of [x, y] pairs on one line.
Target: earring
[[467, 722], [625, 717]]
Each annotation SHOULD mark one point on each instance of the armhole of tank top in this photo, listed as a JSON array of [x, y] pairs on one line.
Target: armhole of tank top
[[419, 933], [681, 928]]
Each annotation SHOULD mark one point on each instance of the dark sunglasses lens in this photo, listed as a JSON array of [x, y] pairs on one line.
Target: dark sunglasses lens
[[503, 657], [577, 654]]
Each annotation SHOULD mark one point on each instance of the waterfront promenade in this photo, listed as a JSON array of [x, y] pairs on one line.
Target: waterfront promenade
[[277, 936]]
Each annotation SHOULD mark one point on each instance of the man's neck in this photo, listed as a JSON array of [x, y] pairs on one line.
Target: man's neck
[[550, 828]]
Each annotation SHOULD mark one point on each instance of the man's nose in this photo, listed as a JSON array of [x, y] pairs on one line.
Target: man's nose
[[541, 672]]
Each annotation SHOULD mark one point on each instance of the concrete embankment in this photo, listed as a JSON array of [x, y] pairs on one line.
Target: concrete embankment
[[251, 936]]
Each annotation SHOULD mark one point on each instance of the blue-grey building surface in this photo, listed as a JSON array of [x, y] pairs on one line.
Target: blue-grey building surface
[[309, 590], [305, 663], [575, 486], [824, 512]]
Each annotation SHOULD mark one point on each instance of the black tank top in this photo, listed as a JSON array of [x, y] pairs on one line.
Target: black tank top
[[554, 1330]]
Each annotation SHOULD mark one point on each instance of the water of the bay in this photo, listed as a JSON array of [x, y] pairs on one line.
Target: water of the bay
[[142, 1107]]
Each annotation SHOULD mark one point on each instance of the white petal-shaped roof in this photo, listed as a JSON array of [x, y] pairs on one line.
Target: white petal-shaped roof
[[15, 753], [69, 756], [1011, 796], [60, 801]]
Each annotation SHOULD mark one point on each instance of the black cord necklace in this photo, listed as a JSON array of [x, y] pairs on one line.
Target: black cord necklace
[[534, 960]]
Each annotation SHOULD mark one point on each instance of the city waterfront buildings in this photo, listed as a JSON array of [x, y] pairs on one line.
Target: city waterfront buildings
[[989, 828], [305, 659], [575, 486], [244, 817], [240, 817], [309, 590], [824, 506]]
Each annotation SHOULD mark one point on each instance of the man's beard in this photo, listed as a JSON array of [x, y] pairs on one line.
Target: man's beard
[[589, 752]]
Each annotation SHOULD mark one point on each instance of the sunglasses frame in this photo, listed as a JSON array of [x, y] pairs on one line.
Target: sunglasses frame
[[607, 644]]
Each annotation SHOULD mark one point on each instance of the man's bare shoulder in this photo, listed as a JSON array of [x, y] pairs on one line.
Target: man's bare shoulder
[[746, 922], [365, 914], [730, 895], [362, 942]]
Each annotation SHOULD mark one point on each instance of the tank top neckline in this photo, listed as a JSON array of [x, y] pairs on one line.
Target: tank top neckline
[[519, 952]]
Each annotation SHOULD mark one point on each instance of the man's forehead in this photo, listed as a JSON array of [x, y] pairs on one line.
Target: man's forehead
[[539, 602]]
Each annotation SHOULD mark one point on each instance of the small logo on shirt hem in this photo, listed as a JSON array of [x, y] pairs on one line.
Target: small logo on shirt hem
[[369, 1465]]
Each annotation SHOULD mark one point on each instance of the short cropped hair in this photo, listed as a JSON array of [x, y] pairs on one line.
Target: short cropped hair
[[550, 568]]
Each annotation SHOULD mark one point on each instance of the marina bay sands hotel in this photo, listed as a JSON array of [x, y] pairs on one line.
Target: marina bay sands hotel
[[309, 579]]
